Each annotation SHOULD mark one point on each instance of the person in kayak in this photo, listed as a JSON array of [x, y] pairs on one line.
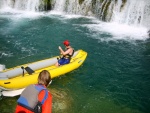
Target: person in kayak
[[66, 55], [36, 98]]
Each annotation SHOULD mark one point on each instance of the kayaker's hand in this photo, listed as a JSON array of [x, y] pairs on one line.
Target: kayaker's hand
[[59, 48]]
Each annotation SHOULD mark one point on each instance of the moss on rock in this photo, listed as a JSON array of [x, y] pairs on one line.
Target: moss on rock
[[47, 5], [101, 1], [81, 1], [106, 11], [123, 4]]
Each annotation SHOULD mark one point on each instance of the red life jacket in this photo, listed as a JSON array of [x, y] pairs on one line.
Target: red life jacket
[[29, 98]]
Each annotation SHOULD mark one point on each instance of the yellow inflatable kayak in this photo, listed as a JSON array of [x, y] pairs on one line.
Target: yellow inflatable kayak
[[24, 75]]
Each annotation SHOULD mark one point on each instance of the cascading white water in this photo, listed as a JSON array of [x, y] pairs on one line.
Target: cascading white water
[[26, 5], [6, 3], [59, 5], [73, 6], [133, 13]]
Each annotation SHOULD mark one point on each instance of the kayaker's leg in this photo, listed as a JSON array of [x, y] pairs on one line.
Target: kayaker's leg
[[60, 62], [57, 64]]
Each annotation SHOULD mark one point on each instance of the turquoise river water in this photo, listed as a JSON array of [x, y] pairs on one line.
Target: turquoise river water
[[115, 77]]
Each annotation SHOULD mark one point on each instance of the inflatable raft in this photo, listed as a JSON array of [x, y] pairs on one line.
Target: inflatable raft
[[24, 75]]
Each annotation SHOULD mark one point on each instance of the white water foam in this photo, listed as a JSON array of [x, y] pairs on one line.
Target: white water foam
[[59, 5], [135, 12], [13, 13], [117, 31], [26, 5], [4, 54]]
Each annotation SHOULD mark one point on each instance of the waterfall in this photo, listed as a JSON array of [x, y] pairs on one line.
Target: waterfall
[[59, 5], [131, 12], [26, 5], [73, 6], [6, 3]]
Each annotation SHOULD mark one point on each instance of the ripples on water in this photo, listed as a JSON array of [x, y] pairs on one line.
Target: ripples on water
[[113, 79]]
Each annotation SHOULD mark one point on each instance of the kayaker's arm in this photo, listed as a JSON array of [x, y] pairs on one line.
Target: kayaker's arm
[[63, 52]]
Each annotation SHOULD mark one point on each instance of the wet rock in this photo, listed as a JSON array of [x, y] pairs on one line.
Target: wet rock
[[148, 33]]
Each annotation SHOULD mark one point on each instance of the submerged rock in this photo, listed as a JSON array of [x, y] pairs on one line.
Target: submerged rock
[[61, 100]]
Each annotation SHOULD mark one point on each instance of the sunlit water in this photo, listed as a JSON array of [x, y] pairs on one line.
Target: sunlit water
[[115, 77]]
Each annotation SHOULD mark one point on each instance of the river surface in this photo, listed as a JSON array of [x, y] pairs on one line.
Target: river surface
[[115, 77]]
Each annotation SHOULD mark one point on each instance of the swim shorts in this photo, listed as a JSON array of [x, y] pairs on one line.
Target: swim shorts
[[63, 61]]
